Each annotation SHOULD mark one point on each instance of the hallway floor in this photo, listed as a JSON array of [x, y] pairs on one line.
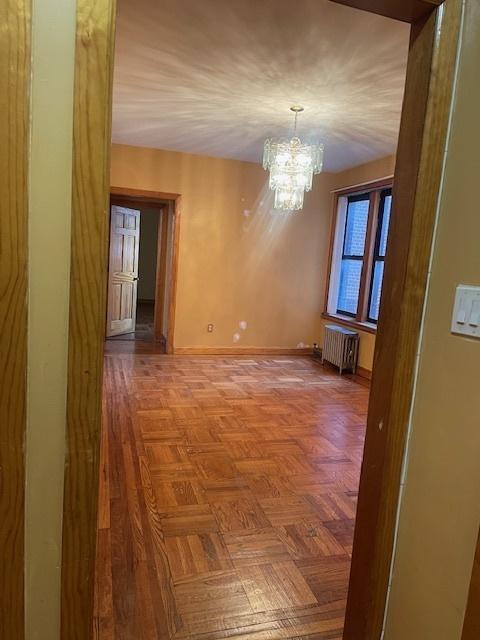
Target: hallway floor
[[227, 498], [144, 325], [142, 340]]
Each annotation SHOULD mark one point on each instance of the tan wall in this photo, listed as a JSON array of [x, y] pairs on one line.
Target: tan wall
[[440, 513], [49, 270], [358, 175], [382, 168], [239, 261]]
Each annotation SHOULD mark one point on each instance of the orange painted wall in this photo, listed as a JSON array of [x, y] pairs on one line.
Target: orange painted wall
[[240, 261]]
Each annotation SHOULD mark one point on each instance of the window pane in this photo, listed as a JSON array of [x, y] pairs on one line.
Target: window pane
[[356, 227], [376, 290], [387, 207], [349, 286]]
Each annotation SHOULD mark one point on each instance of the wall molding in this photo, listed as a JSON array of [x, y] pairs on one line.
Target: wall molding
[[364, 373], [95, 26], [15, 82], [243, 351]]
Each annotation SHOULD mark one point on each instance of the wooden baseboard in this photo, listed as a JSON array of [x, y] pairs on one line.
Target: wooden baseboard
[[258, 351], [361, 371], [364, 373], [242, 351]]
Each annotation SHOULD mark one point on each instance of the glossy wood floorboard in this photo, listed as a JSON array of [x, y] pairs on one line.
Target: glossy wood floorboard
[[227, 498]]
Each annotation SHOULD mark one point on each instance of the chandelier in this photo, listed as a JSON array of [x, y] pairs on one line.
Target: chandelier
[[292, 164]]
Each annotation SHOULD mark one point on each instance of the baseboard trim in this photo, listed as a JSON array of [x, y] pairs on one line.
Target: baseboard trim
[[242, 351], [364, 373], [256, 351], [360, 371]]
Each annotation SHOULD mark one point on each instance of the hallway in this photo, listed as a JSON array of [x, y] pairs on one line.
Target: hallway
[[227, 498]]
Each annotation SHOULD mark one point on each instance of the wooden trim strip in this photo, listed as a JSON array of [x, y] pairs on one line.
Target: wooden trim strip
[[429, 86], [471, 624], [242, 351], [90, 214], [360, 372], [15, 51], [172, 284], [364, 373], [141, 195], [161, 273], [405, 10], [367, 267], [381, 183], [347, 322], [333, 231]]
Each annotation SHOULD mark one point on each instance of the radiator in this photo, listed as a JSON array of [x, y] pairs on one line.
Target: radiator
[[340, 347]]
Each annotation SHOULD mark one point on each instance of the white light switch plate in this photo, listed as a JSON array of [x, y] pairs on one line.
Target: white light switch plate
[[466, 311]]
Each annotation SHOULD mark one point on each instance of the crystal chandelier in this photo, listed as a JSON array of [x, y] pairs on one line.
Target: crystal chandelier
[[292, 164]]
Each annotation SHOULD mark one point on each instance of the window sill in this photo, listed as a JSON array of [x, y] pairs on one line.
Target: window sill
[[367, 327]]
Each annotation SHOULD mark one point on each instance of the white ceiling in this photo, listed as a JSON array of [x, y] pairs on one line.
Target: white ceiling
[[217, 77]]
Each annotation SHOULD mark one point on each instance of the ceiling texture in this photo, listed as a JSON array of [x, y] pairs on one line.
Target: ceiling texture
[[217, 77]]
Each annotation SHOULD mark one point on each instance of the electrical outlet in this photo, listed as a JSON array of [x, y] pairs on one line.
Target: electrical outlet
[[209, 328]]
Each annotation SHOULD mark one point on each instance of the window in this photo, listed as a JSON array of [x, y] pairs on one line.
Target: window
[[358, 254], [379, 255], [353, 254]]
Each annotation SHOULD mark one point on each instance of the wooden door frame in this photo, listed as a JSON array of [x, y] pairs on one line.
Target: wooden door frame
[[418, 174], [156, 199], [161, 250], [420, 161], [161, 277], [471, 623], [15, 52]]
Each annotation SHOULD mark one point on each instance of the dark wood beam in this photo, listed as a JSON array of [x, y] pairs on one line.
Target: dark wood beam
[[404, 10]]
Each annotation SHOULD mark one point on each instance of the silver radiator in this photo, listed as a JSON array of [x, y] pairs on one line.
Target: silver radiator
[[340, 347]]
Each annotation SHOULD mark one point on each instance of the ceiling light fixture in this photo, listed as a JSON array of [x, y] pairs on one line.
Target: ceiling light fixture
[[292, 164]]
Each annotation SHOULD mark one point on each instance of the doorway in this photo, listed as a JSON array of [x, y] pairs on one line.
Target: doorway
[[142, 268], [417, 192]]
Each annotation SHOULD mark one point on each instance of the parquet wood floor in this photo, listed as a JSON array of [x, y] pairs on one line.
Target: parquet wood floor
[[227, 498]]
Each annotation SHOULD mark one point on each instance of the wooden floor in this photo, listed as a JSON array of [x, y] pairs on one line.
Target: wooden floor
[[142, 340], [227, 498], [144, 325]]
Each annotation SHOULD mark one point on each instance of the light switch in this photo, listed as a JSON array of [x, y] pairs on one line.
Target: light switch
[[466, 311]]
